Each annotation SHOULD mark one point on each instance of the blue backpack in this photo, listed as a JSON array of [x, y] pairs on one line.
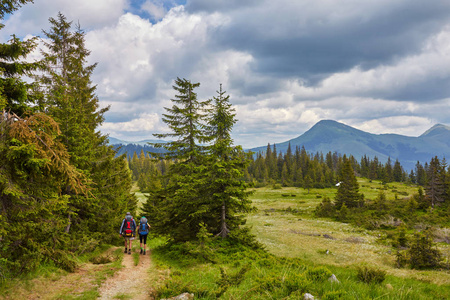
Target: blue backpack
[[143, 226]]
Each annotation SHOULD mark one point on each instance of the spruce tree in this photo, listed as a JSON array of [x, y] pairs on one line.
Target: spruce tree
[[348, 191], [179, 207], [435, 188], [34, 171], [68, 95], [227, 190]]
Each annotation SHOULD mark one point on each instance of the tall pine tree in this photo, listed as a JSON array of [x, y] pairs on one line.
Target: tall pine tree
[[68, 95], [227, 190], [348, 191], [34, 169], [178, 209]]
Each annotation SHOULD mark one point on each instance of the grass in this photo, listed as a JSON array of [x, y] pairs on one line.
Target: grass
[[136, 257], [299, 244], [287, 227], [53, 283], [267, 276]]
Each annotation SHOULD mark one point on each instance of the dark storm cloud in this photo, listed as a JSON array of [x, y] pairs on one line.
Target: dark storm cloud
[[428, 90], [287, 41], [211, 6]]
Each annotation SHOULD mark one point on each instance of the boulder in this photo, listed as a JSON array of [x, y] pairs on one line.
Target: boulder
[[333, 278], [184, 296], [308, 296]]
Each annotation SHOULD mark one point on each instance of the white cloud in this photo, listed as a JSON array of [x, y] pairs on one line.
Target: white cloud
[[154, 8], [404, 125], [251, 47], [144, 123], [32, 18], [433, 63]]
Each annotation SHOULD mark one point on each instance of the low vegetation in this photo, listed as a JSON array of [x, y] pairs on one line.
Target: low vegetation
[[51, 282], [300, 253]]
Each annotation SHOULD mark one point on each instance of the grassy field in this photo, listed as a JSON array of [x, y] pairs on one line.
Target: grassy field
[[285, 224]]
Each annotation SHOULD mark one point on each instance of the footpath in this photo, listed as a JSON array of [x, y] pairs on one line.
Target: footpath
[[131, 282]]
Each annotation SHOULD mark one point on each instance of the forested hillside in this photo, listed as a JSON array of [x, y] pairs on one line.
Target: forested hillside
[[62, 190]]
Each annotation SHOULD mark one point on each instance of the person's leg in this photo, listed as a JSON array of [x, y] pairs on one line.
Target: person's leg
[[140, 242], [145, 243], [129, 249], [125, 245]]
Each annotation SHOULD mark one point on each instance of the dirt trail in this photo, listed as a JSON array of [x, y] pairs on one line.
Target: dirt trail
[[131, 282]]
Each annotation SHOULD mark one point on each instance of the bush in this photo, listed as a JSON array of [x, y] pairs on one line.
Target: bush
[[370, 275], [333, 295], [401, 259], [422, 253], [276, 186], [325, 208], [318, 274]]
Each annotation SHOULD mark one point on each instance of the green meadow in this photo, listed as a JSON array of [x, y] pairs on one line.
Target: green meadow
[[300, 253]]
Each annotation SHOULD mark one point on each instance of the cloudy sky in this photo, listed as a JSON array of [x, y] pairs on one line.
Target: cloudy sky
[[382, 66]]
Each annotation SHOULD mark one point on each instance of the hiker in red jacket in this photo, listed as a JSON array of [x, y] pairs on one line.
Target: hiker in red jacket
[[128, 230]]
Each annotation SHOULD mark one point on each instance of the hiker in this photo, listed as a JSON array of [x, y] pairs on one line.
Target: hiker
[[127, 230], [143, 229]]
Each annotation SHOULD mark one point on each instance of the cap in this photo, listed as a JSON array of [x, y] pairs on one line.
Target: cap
[[128, 213]]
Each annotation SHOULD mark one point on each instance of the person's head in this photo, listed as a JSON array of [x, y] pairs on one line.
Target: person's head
[[128, 214]]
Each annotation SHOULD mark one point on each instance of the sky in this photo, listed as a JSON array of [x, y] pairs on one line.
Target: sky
[[382, 66]]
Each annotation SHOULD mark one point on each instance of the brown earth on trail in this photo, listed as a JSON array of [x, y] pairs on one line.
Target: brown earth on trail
[[132, 281]]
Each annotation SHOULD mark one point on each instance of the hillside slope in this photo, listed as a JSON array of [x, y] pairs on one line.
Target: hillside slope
[[327, 135]]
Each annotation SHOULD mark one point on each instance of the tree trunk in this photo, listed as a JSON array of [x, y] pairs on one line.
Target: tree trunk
[[224, 229]]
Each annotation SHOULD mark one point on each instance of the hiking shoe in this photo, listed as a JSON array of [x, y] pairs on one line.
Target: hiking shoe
[[125, 250], [129, 251], [144, 252], [141, 251]]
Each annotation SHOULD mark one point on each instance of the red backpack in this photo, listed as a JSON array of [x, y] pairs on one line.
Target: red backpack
[[128, 227]]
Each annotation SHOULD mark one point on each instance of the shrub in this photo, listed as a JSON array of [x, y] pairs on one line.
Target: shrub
[[401, 240], [370, 275], [101, 259], [333, 295], [401, 259], [325, 208], [422, 253], [276, 186], [318, 274], [227, 281], [296, 282]]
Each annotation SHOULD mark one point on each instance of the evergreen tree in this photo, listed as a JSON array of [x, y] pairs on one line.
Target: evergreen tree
[[34, 169], [421, 177], [227, 163], [68, 95], [179, 208], [397, 172], [186, 120], [348, 191], [435, 189]]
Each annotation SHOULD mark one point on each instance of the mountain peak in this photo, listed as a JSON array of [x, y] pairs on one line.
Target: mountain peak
[[437, 129]]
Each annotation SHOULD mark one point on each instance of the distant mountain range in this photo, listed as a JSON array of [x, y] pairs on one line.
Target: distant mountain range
[[130, 148], [327, 135]]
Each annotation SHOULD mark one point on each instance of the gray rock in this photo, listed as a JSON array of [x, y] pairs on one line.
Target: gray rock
[[333, 278], [308, 296], [184, 296]]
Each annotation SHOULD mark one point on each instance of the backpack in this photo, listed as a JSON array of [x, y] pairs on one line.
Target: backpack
[[143, 227], [128, 228]]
